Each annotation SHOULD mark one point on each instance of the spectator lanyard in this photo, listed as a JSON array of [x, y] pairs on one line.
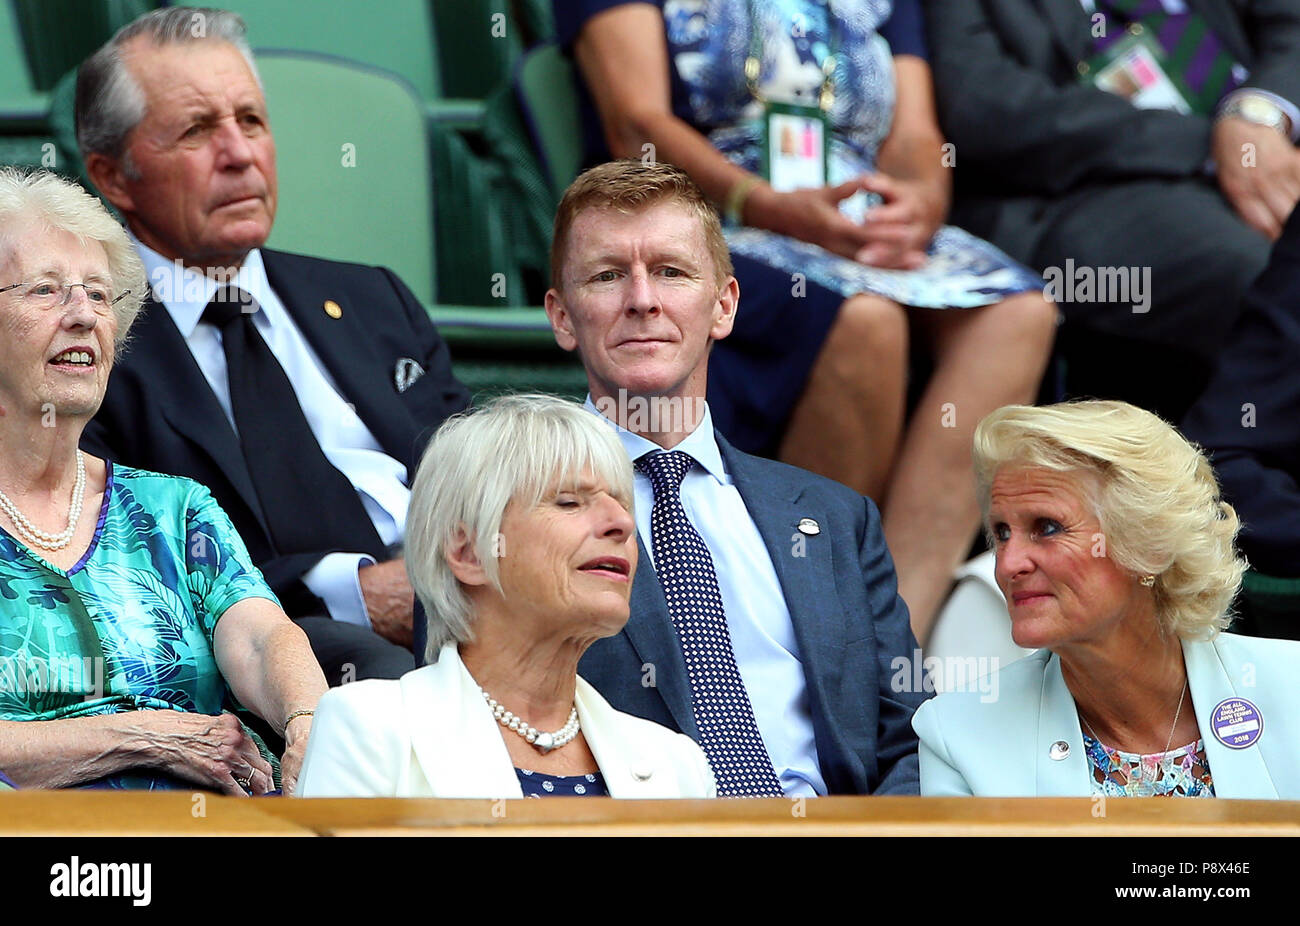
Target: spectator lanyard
[[795, 138]]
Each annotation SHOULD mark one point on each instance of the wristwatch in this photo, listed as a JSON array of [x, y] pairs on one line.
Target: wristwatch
[[1255, 108]]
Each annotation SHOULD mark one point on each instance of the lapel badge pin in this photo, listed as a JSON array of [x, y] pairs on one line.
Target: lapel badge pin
[[333, 309], [641, 773], [406, 373], [1237, 723], [1059, 750], [809, 526]]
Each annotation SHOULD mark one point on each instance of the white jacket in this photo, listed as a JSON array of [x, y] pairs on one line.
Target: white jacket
[[431, 734]]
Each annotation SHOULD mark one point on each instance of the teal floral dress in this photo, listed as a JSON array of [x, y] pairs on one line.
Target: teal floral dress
[[129, 627]]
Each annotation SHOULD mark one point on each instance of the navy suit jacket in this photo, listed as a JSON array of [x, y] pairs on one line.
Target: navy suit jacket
[[849, 622], [159, 413], [1248, 418]]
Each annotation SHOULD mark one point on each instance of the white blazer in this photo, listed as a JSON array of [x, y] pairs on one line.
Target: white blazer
[[431, 734], [1004, 748]]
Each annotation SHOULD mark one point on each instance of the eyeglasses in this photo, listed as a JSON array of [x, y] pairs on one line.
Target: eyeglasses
[[48, 295]]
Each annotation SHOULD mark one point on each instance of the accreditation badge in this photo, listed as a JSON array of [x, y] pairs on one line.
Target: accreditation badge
[[1132, 68], [795, 149]]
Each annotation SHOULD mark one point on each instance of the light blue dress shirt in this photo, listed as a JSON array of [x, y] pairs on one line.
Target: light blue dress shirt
[[380, 481], [762, 634]]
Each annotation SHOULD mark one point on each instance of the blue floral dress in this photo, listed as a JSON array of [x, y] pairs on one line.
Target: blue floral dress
[[129, 627], [709, 41]]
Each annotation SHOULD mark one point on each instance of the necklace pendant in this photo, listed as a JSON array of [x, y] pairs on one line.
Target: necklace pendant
[[545, 742]]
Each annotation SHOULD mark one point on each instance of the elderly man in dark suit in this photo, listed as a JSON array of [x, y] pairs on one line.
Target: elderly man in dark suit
[[301, 391], [766, 622], [1126, 134]]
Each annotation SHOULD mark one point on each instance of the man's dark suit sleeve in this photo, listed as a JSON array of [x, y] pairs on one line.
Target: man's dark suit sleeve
[[283, 573], [1040, 137], [896, 741], [1249, 415], [1273, 28]]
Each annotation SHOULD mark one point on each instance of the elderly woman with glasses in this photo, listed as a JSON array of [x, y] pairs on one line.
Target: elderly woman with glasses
[[1116, 556], [132, 623], [521, 546]]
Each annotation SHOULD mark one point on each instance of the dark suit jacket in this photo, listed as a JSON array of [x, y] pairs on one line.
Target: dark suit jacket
[[159, 412], [1249, 415], [1027, 130], [848, 620]]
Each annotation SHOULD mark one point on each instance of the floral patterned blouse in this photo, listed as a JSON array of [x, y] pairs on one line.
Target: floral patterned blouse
[[1182, 772], [130, 625]]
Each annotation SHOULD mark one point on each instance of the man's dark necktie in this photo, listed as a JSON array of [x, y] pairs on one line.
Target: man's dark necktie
[[728, 732], [309, 505]]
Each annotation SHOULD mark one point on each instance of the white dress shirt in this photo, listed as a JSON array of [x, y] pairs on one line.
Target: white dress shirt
[[347, 443], [762, 635]]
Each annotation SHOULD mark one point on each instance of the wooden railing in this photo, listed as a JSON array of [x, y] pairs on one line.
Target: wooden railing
[[74, 813]]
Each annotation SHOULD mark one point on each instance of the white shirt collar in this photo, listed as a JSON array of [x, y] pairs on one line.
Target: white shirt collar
[[701, 444], [185, 292]]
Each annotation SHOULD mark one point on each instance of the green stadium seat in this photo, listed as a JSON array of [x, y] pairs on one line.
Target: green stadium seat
[[396, 35], [373, 203], [59, 34], [548, 95], [353, 158], [22, 106]]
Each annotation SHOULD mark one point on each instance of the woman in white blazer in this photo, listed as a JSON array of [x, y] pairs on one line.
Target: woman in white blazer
[[1116, 556], [521, 547]]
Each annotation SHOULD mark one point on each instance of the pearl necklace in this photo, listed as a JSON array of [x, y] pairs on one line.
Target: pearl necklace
[[43, 539], [543, 741], [1142, 788]]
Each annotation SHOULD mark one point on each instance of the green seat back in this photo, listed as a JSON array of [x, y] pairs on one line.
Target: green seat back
[[478, 41], [60, 34], [549, 98], [353, 162], [21, 105], [396, 35]]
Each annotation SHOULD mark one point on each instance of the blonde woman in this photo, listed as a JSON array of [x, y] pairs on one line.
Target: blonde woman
[[1116, 556]]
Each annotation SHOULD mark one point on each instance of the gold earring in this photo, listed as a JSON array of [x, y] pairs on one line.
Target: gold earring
[[1147, 581]]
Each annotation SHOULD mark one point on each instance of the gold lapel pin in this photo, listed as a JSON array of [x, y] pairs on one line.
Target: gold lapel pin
[[332, 309]]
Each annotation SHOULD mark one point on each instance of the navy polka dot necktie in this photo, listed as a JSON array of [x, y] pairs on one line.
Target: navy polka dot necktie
[[728, 733]]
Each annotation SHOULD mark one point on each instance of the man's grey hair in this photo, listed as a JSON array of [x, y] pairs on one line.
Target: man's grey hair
[[517, 448], [110, 103]]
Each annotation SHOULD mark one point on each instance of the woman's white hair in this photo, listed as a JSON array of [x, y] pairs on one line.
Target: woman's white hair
[[1153, 492], [516, 448], [42, 201]]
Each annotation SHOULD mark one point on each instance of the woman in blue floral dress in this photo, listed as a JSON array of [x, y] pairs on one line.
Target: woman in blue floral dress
[[132, 621], [840, 282]]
